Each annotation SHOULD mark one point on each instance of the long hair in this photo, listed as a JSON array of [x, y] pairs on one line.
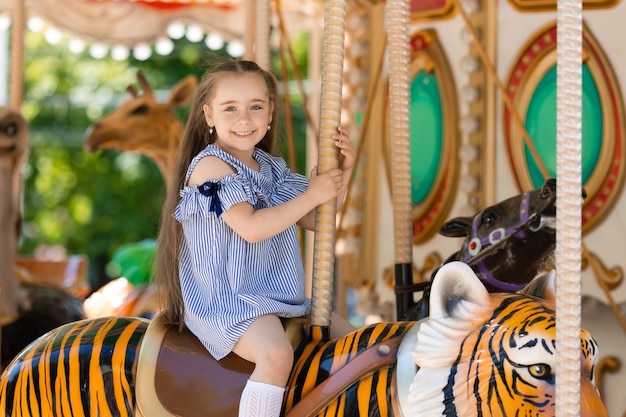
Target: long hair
[[195, 139]]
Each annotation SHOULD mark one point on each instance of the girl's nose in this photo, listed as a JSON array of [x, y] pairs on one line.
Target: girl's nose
[[244, 116]]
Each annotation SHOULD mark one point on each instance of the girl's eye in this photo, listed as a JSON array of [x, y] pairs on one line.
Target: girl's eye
[[257, 107]]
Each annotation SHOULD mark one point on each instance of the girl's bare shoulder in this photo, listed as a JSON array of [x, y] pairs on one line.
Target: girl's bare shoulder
[[210, 168]]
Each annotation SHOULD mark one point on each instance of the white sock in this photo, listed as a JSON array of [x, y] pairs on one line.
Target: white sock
[[261, 400]]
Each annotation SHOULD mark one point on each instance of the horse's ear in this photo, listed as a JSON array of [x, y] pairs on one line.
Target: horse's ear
[[543, 287], [145, 85], [183, 91], [456, 287], [457, 227]]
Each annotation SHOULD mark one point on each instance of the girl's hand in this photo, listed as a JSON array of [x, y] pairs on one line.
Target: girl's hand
[[325, 186], [343, 142]]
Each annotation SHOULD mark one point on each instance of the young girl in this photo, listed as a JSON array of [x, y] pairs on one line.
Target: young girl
[[229, 257]]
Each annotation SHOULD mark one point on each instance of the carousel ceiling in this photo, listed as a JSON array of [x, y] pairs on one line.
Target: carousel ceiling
[[131, 22]]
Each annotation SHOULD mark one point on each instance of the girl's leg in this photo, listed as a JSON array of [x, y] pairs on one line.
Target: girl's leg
[[266, 345]]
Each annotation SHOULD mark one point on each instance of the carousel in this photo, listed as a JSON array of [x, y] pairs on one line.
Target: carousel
[[481, 139]]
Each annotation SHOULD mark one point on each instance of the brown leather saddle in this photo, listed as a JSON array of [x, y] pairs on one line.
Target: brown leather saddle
[[177, 376]]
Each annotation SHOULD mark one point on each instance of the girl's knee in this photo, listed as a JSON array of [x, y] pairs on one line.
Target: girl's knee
[[276, 360], [280, 354]]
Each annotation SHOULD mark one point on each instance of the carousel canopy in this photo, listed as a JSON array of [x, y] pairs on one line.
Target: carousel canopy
[[131, 22]]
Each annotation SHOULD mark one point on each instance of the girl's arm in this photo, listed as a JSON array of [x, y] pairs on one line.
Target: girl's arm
[[257, 225]]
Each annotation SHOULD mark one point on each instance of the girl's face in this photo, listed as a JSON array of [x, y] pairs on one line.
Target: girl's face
[[240, 112]]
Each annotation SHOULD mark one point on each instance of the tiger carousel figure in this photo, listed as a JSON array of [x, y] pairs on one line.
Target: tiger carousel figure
[[476, 354]]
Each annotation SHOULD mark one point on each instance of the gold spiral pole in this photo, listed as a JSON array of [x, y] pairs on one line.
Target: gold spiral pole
[[17, 55], [330, 118], [397, 23], [262, 39], [569, 205], [249, 34]]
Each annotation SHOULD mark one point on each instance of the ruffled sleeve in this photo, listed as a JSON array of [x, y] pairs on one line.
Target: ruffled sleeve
[[213, 197], [288, 184]]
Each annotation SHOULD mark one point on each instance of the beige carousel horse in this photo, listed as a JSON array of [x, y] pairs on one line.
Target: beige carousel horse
[[34, 300], [140, 124]]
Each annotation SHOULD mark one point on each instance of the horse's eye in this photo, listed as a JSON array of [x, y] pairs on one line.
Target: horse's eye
[[10, 129], [546, 192], [142, 109], [540, 371]]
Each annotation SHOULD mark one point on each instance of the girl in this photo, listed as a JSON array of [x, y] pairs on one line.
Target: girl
[[229, 257]]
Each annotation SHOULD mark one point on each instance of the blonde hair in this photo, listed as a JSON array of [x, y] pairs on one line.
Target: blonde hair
[[195, 139]]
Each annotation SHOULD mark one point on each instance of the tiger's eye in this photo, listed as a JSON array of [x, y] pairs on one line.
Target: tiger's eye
[[540, 370]]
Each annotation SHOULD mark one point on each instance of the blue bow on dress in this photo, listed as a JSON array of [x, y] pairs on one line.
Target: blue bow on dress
[[210, 189]]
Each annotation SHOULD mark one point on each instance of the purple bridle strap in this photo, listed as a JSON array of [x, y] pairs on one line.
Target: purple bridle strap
[[494, 237]]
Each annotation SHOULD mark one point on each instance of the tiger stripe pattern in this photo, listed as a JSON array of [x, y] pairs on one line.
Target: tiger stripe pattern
[[370, 395], [49, 374], [477, 354]]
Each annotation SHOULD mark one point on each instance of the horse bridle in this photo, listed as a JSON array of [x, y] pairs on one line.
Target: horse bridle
[[474, 257], [497, 238]]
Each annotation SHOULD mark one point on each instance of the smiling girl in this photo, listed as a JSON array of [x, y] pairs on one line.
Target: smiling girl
[[229, 258]]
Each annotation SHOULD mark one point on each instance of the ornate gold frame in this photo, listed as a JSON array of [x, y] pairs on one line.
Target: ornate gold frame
[[428, 55], [445, 10], [533, 61]]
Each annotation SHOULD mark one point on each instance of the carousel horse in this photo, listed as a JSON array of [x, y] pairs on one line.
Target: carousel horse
[[142, 125], [506, 244], [476, 354], [29, 309]]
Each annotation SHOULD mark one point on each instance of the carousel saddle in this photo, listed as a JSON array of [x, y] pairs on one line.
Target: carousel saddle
[[177, 376]]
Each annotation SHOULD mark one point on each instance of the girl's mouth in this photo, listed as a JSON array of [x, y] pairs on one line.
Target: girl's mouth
[[246, 133]]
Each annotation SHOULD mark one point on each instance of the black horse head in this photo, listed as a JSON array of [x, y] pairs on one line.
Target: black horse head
[[509, 243]]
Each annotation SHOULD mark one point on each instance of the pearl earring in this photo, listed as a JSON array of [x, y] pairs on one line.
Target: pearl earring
[[210, 130], [269, 127]]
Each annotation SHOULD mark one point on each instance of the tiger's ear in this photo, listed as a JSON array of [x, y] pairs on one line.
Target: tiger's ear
[[543, 287], [455, 287]]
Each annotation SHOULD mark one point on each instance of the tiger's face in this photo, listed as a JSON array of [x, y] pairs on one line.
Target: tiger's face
[[491, 355], [509, 363]]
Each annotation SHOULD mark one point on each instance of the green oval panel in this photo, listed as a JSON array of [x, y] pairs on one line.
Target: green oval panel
[[541, 126], [426, 135]]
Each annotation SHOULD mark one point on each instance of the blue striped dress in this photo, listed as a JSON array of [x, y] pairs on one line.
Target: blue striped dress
[[226, 281]]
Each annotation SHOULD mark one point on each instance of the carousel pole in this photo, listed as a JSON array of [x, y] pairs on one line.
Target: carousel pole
[[397, 23], [330, 118], [4, 58], [17, 55], [569, 207], [262, 38], [251, 32]]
